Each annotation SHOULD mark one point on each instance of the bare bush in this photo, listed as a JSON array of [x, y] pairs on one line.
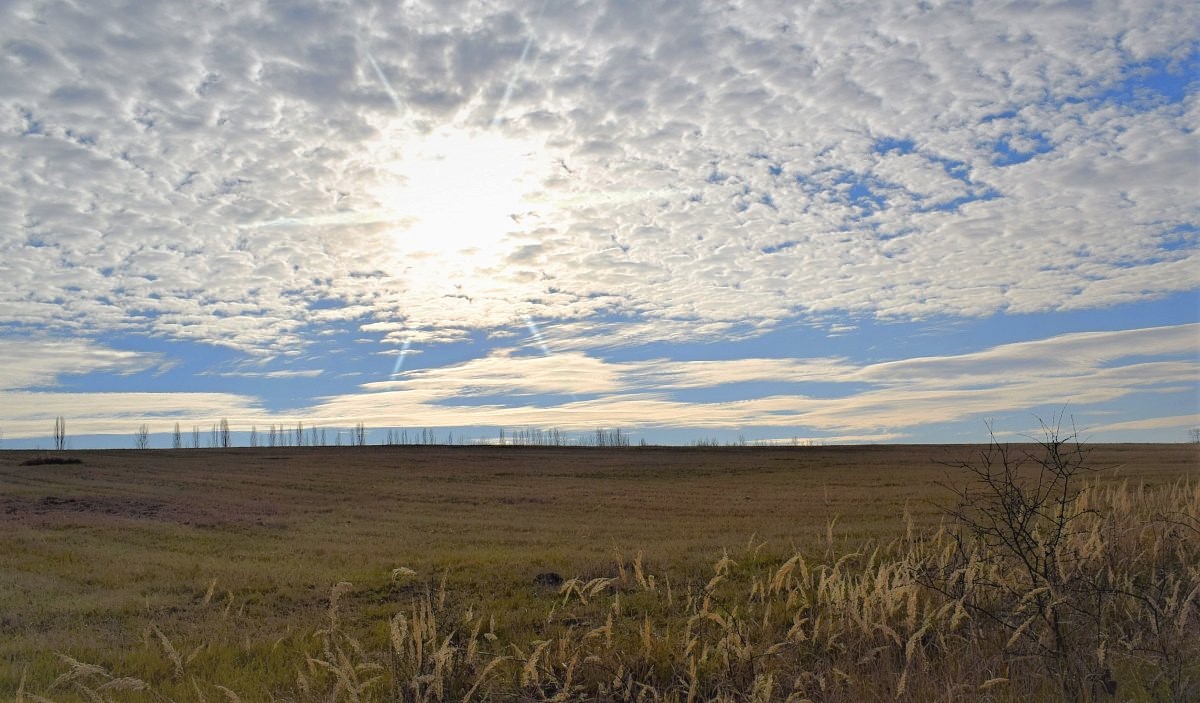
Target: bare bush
[[1035, 556], [141, 438]]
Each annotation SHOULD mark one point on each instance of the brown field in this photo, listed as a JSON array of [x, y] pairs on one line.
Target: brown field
[[234, 551]]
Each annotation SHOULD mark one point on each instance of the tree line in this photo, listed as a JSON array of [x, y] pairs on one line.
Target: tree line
[[221, 435]]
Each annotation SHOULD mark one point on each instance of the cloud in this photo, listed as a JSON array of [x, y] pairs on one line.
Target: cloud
[[503, 374], [35, 362], [298, 373], [33, 414], [210, 173], [1180, 422], [576, 391], [1083, 370], [1055, 358]]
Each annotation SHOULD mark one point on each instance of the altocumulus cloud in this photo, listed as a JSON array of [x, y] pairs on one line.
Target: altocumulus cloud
[[212, 173]]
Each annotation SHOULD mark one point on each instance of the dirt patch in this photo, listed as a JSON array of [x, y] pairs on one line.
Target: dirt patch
[[57, 509], [121, 507]]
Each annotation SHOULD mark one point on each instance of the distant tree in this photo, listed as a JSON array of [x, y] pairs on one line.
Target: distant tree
[[195, 436], [360, 434], [299, 434], [223, 430], [610, 438], [60, 433], [176, 438], [141, 438], [272, 436], [1195, 435], [253, 435]]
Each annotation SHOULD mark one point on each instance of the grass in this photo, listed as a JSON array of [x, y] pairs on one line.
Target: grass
[[227, 559]]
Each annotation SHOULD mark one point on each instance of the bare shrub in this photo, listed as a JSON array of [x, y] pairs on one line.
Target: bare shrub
[[1068, 575], [141, 438]]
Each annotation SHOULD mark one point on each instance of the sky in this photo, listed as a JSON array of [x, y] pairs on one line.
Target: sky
[[796, 222]]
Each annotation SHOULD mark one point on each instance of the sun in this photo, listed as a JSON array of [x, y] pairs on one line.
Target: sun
[[459, 193]]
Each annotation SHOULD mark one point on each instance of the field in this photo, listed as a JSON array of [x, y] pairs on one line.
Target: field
[[197, 569]]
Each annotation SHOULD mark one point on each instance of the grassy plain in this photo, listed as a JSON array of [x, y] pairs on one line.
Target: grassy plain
[[231, 554]]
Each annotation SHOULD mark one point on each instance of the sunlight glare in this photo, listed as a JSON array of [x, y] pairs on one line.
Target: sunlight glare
[[457, 193]]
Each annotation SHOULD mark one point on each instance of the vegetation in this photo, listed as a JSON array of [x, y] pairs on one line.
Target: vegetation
[[1045, 582], [51, 460], [141, 438], [60, 433]]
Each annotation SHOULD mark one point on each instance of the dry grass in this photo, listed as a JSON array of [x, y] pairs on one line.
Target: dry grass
[[809, 610]]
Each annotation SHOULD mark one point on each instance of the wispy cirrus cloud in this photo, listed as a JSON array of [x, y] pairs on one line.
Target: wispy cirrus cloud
[[1076, 369], [575, 391], [32, 362]]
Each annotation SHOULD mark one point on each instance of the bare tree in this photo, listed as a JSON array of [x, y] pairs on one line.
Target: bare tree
[[254, 435], [610, 438], [299, 434], [141, 438], [272, 436], [195, 436], [360, 434], [1195, 435], [176, 438], [223, 431], [60, 433]]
